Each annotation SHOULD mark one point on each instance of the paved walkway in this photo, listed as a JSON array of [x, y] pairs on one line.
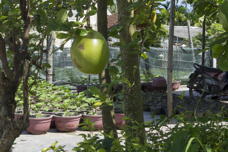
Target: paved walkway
[[34, 143]]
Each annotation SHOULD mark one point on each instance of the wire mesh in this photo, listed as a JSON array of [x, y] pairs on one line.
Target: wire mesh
[[156, 64]]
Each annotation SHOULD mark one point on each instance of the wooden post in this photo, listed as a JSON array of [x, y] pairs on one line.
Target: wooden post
[[170, 60]]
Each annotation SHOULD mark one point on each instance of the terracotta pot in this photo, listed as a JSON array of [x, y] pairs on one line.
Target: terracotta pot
[[39, 125], [159, 82], [53, 118], [53, 123], [68, 123], [96, 121], [176, 85], [119, 119]]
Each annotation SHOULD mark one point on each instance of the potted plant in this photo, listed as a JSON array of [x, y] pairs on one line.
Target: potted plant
[[68, 122], [92, 120], [57, 100], [39, 124], [68, 118]]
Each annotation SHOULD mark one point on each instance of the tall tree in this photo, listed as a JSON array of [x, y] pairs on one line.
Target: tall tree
[[20, 49], [15, 39], [107, 108], [130, 68], [170, 60]]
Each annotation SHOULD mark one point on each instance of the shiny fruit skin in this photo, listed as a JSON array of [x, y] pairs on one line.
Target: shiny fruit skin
[[90, 53]]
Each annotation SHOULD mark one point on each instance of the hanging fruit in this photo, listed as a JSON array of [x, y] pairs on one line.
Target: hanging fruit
[[90, 53]]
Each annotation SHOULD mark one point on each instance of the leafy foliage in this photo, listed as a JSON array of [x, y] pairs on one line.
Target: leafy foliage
[[44, 96], [205, 136], [220, 43]]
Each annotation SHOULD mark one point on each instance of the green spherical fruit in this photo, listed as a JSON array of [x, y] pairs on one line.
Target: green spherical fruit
[[223, 20], [90, 53]]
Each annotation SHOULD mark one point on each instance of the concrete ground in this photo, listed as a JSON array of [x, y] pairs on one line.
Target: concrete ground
[[34, 143]]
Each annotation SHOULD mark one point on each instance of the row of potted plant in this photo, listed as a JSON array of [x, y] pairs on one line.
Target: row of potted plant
[[70, 123], [58, 106]]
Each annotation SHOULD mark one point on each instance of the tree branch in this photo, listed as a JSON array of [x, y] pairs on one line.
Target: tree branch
[[3, 58], [22, 54], [26, 94], [24, 7]]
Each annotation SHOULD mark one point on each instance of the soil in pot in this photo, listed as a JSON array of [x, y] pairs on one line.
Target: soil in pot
[[92, 122], [67, 123], [119, 119], [39, 125]]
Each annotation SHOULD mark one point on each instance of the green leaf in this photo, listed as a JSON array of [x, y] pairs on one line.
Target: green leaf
[[3, 17], [101, 150], [62, 16], [62, 35], [144, 55], [223, 61], [217, 50], [97, 104], [110, 2], [223, 19], [220, 39], [92, 12], [83, 32], [224, 9], [113, 70], [190, 145]]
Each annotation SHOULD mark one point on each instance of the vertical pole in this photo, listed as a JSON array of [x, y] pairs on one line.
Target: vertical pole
[[203, 40], [170, 60], [190, 41], [50, 55]]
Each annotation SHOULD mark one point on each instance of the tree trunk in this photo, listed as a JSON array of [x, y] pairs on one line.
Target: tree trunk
[[9, 129], [203, 40], [170, 61], [107, 110], [130, 67]]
